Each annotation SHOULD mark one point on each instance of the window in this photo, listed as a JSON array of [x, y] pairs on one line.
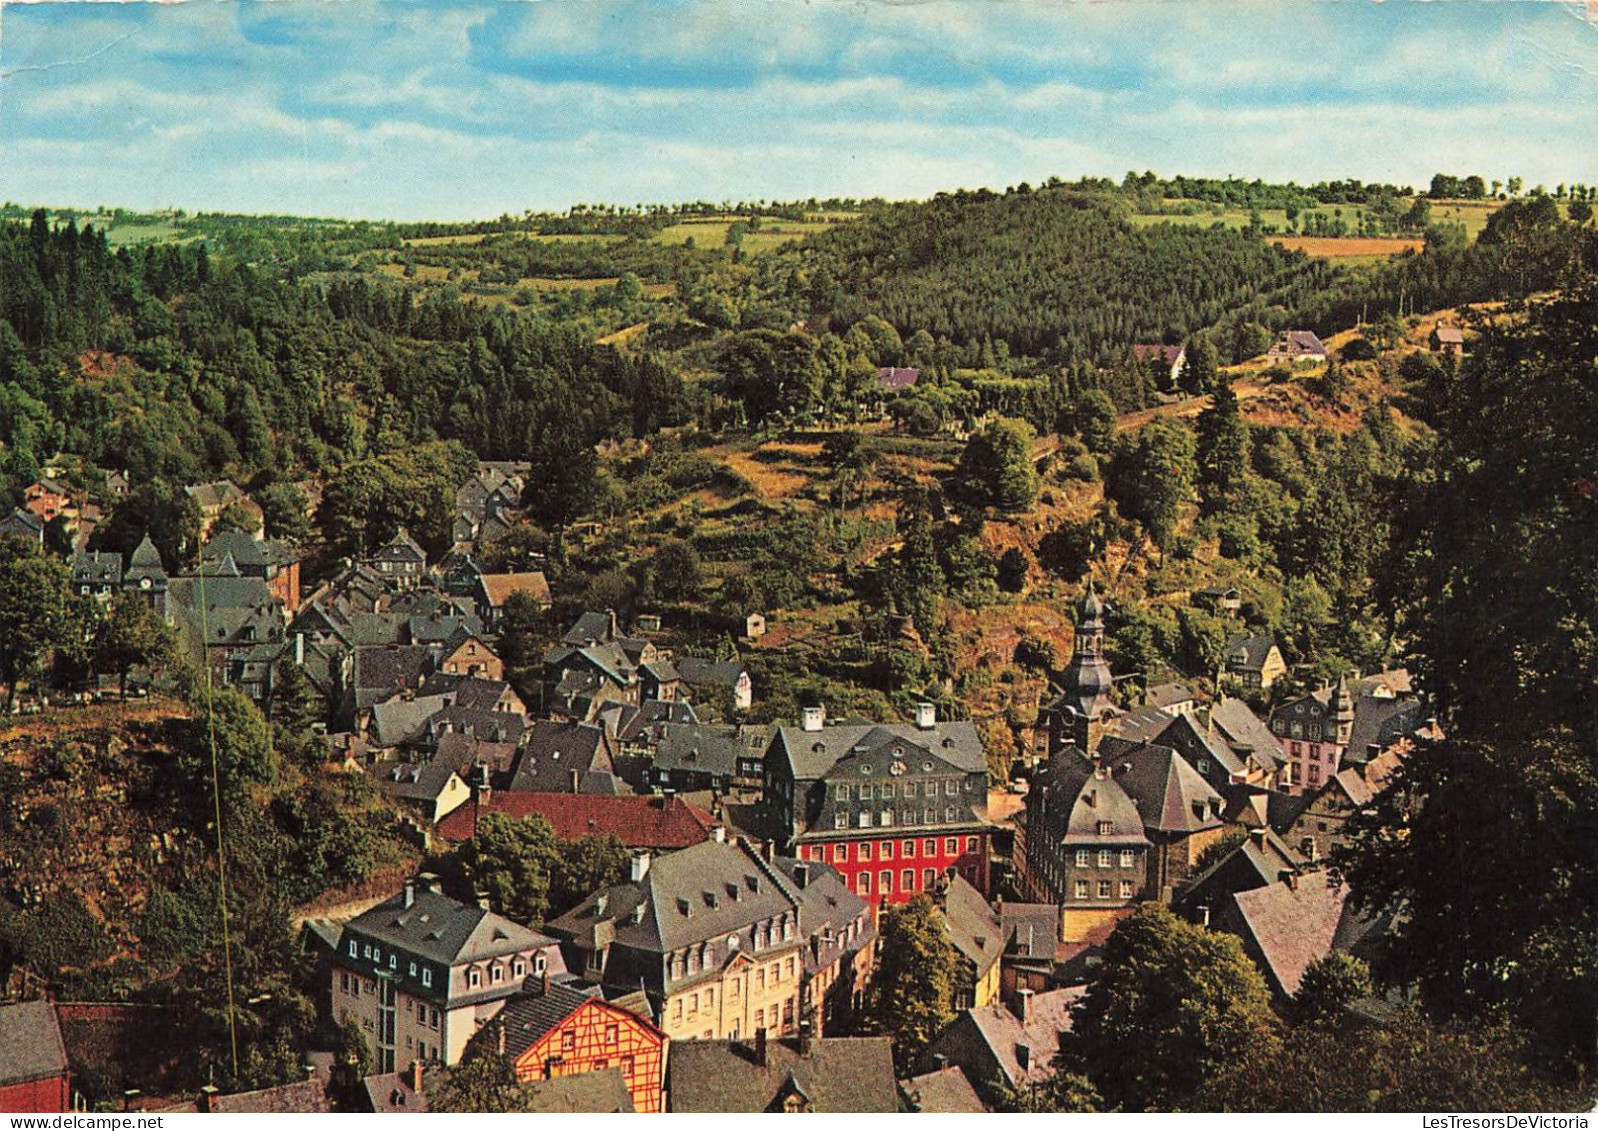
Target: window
[[343, 981], [887, 850], [568, 1041], [865, 883], [1314, 753], [865, 793], [1104, 858], [909, 789], [1106, 828], [885, 882], [907, 880], [929, 879], [1104, 889], [865, 819], [1128, 858], [928, 815], [1081, 889], [971, 844], [840, 820], [676, 1010], [948, 817], [1083, 858], [760, 1019], [627, 1066], [710, 1000], [951, 845], [1126, 889], [1203, 765], [521, 968], [474, 978], [496, 974], [413, 969], [432, 1021], [887, 791], [842, 793], [909, 847], [840, 852], [885, 817], [951, 788], [352, 948], [865, 851], [693, 1005], [733, 943], [787, 929], [427, 976], [930, 846]]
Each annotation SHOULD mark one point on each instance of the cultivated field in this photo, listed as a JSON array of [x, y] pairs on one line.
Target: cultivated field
[[1363, 247]]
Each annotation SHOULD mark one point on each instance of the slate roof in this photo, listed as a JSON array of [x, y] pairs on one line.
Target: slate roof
[[247, 553], [810, 754], [591, 628], [30, 1042], [399, 719], [1166, 695], [709, 890], [1248, 653], [1068, 779], [1243, 728], [1195, 740], [498, 587], [437, 629], [214, 496], [444, 930], [552, 751], [841, 1074], [971, 925], [1286, 926], [466, 690], [388, 668], [464, 751], [145, 561], [998, 1028], [415, 781], [1257, 861], [655, 823], [1379, 723], [595, 1093], [392, 1094], [699, 748], [97, 567], [23, 524], [943, 1091], [1169, 793], [401, 548], [697, 672], [1030, 929], [526, 1018], [826, 901], [633, 723]]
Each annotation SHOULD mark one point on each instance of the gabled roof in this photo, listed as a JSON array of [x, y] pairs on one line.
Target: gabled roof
[[1168, 354], [1195, 741], [526, 1018], [897, 377], [25, 523], [601, 1092], [215, 495], [444, 930], [654, 823], [591, 628], [1258, 860], [1030, 929], [1072, 800], [943, 1091], [247, 553], [417, 781], [697, 672], [1286, 926], [391, 1094], [1169, 793], [97, 567], [391, 667], [438, 629], [708, 890], [1450, 334], [498, 587], [1379, 723], [30, 1042], [1243, 728], [971, 925], [633, 722], [400, 719], [840, 1074], [401, 548], [553, 751], [299, 1098], [1164, 695], [706, 748], [998, 1027], [1248, 653]]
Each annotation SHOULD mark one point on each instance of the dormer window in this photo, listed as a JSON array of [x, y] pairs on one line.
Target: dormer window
[[474, 978], [1106, 828]]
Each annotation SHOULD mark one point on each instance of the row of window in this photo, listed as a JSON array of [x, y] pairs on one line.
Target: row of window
[[907, 881], [886, 791], [1106, 858], [884, 849], [885, 817], [496, 972], [556, 1065], [421, 1049], [1105, 889]]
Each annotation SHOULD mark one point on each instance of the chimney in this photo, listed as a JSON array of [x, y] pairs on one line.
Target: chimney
[[299, 649], [1289, 877], [1257, 836], [546, 981], [1023, 1004], [813, 718], [1023, 1057], [482, 901], [130, 1097], [939, 1062], [429, 882], [806, 1032], [499, 1039], [1204, 914], [410, 892], [310, 1072], [760, 1046], [718, 833], [574, 779], [926, 716], [208, 1096], [801, 877], [414, 1077], [640, 867]]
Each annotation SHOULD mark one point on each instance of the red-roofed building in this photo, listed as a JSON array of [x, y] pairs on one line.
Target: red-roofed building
[[652, 824], [893, 378], [1171, 358]]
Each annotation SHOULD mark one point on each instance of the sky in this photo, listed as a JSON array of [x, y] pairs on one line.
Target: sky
[[435, 109]]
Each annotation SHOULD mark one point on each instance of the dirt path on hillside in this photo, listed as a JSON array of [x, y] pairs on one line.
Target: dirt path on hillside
[[1130, 422]]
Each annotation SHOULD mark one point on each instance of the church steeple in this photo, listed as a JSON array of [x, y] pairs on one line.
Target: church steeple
[[1087, 684]]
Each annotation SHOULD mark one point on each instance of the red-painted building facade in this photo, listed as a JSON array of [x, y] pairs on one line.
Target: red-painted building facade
[[891, 807], [33, 1061], [563, 1031]]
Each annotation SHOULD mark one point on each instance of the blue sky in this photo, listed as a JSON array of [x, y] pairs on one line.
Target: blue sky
[[409, 109]]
